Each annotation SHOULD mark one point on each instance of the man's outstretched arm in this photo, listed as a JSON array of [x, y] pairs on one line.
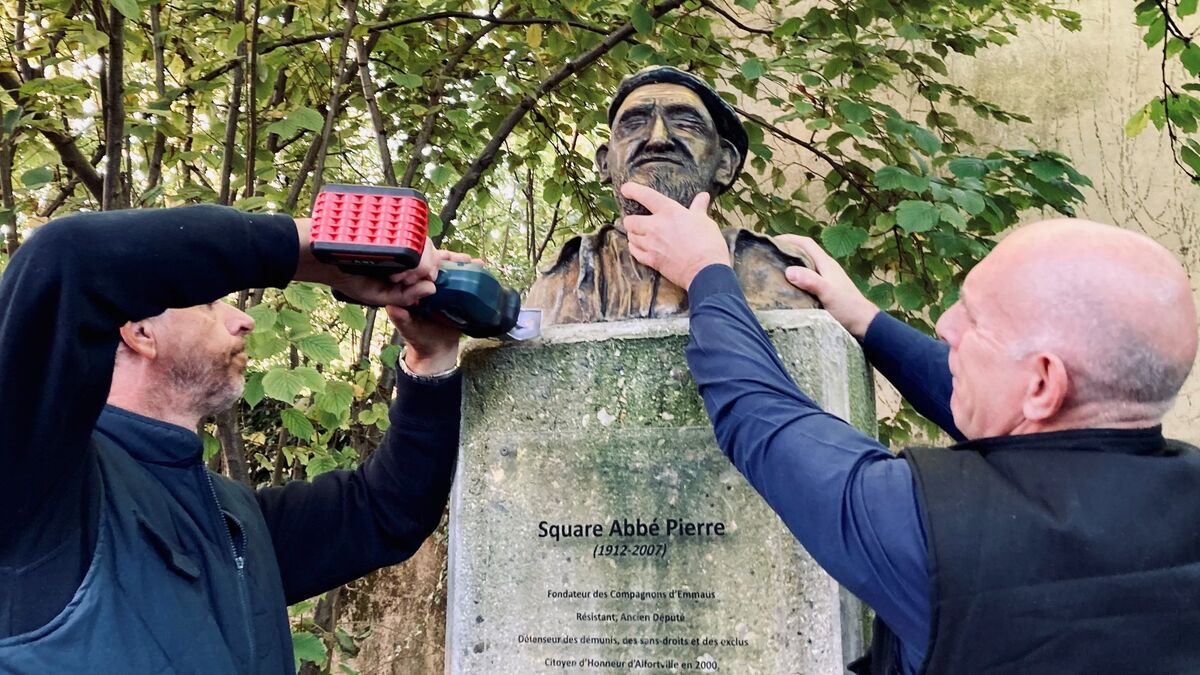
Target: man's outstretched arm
[[848, 500], [380, 513]]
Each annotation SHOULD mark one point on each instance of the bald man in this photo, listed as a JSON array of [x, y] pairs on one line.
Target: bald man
[[1059, 535]]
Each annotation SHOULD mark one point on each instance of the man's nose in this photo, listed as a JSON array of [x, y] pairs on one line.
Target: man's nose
[[238, 322], [947, 325]]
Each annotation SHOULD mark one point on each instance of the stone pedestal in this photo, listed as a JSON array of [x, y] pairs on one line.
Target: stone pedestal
[[596, 527]]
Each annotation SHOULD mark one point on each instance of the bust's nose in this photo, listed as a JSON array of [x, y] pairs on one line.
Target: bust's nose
[[659, 135]]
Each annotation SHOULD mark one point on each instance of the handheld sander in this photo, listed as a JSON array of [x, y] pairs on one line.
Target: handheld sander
[[378, 231]]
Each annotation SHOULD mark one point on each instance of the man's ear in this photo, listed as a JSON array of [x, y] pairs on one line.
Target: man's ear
[[727, 164], [138, 337], [602, 164], [1048, 388]]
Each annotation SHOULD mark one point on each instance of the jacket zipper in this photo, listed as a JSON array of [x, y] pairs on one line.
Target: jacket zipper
[[239, 561]]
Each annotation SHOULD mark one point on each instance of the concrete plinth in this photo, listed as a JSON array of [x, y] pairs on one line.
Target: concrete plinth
[[596, 527]]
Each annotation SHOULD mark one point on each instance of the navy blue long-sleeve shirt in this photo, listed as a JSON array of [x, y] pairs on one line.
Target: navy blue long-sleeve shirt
[[63, 298], [849, 501]]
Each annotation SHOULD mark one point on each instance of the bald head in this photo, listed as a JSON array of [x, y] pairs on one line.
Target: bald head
[[1114, 305]]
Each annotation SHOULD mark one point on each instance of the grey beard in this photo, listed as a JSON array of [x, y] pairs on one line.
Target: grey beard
[[682, 188], [205, 387]]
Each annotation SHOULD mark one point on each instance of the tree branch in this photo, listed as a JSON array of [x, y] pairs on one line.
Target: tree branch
[[733, 19], [837, 166], [484, 161], [64, 144]]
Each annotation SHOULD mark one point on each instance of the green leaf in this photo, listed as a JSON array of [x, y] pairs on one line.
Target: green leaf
[[881, 294], [36, 178], [129, 8], [642, 52], [929, 143], [320, 347], [297, 424], [10, 119], [336, 398], [917, 216], [752, 69], [442, 175], [377, 414], [746, 4], [641, 19], [967, 167], [892, 177], [1186, 8], [298, 324], [533, 35], [408, 80], [307, 647], [910, 295], [1046, 169], [320, 464], [969, 201], [1190, 58], [302, 296], [284, 384], [253, 393], [264, 343], [1190, 157], [307, 118], [311, 378], [264, 316], [389, 355], [255, 203], [1156, 32], [854, 111], [842, 240], [352, 316], [211, 445], [952, 216]]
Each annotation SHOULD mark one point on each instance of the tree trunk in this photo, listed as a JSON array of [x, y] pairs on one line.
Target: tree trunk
[[251, 143], [335, 104], [231, 444], [235, 105], [159, 146], [9, 221], [114, 112]]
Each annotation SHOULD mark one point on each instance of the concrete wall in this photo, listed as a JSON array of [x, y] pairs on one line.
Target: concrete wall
[[1080, 88]]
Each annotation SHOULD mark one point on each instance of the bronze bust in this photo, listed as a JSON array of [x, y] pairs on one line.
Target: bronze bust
[[674, 133]]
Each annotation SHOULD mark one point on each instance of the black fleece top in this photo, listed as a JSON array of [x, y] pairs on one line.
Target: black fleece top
[[63, 298]]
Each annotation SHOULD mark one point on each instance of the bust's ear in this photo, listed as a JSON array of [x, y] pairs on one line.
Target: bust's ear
[[727, 164], [602, 164]]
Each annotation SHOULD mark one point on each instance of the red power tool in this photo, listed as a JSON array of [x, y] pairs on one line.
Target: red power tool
[[378, 231]]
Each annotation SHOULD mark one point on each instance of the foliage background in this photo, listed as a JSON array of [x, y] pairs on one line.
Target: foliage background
[[871, 132]]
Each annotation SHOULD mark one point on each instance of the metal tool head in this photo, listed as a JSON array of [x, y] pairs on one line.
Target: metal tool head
[[529, 325]]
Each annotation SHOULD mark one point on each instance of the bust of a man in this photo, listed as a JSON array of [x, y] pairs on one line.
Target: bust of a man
[[674, 133]]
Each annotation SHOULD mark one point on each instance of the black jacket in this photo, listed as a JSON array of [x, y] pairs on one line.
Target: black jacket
[[63, 298]]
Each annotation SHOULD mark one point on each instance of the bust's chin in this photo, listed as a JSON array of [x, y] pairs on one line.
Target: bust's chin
[[683, 188]]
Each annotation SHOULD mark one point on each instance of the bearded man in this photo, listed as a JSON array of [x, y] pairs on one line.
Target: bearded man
[[119, 551], [674, 133]]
